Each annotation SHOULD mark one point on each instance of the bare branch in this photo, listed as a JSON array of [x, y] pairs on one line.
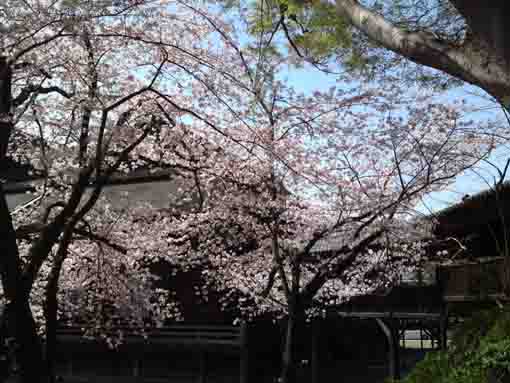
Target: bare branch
[[25, 93]]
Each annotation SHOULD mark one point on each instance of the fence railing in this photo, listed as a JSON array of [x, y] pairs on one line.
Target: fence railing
[[473, 281], [197, 337], [175, 334]]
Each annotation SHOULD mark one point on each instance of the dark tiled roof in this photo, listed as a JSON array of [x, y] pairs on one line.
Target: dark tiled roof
[[474, 212]]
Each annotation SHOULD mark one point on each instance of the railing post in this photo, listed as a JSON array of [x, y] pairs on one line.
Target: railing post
[[203, 365], [389, 328], [443, 329], [136, 367], [244, 355], [315, 352], [69, 366]]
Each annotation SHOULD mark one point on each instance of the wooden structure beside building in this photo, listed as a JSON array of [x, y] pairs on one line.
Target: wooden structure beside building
[[480, 271], [473, 281], [402, 309], [181, 351]]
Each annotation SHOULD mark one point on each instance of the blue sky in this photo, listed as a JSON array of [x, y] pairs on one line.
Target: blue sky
[[484, 174], [471, 181]]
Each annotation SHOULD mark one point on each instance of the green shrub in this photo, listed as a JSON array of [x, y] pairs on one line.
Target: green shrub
[[479, 353]]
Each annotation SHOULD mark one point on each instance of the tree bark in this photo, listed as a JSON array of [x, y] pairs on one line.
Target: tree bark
[[294, 326], [483, 59], [21, 326], [51, 306], [51, 300], [9, 260], [488, 23], [288, 373], [17, 319]]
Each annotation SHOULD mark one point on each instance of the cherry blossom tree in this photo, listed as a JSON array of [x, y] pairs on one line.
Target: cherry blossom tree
[[291, 238], [315, 202], [84, 85], [91, 89]]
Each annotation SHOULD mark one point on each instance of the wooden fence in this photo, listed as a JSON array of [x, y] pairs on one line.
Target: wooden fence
[[156, 347]]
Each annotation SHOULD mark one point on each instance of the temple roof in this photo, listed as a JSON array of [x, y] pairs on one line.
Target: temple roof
[[474, 212]]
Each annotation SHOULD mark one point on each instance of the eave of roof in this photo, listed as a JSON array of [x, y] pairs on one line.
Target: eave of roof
[[474, 212]]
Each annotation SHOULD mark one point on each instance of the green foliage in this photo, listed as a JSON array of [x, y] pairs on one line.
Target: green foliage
[[315, 28], [324, 30], [479, 353], [313, 31], [431, 369]]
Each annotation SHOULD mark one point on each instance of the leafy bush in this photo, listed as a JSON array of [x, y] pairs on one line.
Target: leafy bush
[[479, 353]]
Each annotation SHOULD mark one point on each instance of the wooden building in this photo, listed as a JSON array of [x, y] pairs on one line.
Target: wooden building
[[478, 272]]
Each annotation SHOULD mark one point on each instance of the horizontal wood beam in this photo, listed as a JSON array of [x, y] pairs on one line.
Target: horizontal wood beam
[[396, 315], [474, 298]]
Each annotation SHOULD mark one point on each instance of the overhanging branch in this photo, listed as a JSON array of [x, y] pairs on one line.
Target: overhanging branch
[[25, 93]]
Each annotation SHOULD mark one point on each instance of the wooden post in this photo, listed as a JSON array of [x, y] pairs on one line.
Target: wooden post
[[390, 329], [69, 366], [315, 352], [136, 367], [203, 366], [402, 335], [243, 354], [443, 328], [396, 343]]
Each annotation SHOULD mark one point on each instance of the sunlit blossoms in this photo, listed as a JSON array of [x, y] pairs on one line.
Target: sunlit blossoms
[[286, 200]]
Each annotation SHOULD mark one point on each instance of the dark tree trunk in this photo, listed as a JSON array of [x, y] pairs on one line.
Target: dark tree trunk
[[17, 319], [51, 304], [29, 364], [9, 260], [51, 327], [294, 327]]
